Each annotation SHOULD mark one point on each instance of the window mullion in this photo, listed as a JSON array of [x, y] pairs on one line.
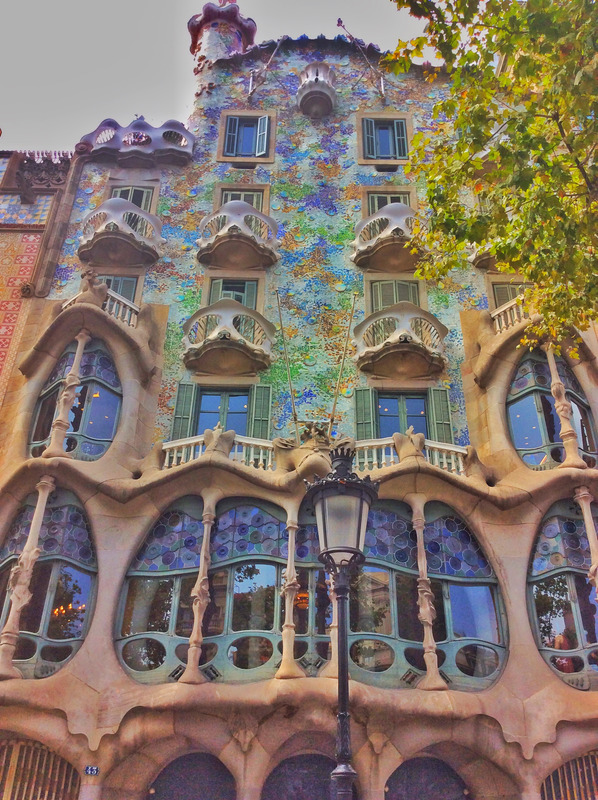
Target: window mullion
[[230, 597], [541, 420], [174, 607], [573, 597], [448, 612], [224, 401], [49, 601], [402, 413]]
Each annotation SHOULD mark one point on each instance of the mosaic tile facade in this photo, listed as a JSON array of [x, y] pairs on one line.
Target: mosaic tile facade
[[562, 543], [13, 212], [315, 198], [173, 543], [18, 253]]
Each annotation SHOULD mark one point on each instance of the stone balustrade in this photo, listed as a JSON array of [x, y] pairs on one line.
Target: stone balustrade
[[508, 315], [115, 306]]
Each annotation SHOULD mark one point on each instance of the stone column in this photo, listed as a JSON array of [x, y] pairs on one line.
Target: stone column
[[288, 666], [563, 409], [66, 400], [90, 791], [20, 581], [584, 499], [201, 598], [330, 670], [432, 680]]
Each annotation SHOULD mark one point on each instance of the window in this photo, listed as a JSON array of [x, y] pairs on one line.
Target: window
[[123, 285], [387, 293], [385, 139], [244, 292], [54, 622], [505, 292], [253, 198], [533, 419], [137, 195], [95, 412], [377, 200], [244, 410], [380, 414], [246, 136], [563, 602]]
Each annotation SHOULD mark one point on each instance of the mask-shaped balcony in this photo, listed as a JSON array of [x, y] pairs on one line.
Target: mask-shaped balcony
[[237, 237], [140, 144], [381, 239], [227, 338], [402, 341], [119, 232], [316, 96]]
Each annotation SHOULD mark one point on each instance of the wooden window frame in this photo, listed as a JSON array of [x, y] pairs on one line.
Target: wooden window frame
[[248, 160], [116, 182], [366, 191], [213, 273], [371, 277], [128, 272], [222, 186], [499, 277], [382, 163]]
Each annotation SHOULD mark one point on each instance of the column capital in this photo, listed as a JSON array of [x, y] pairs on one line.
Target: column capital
[[583, 494], [46, 483]]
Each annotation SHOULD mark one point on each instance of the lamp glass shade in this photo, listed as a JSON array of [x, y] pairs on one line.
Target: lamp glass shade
[[342, 520]]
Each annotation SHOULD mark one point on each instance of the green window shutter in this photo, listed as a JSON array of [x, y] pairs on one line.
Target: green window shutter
[[503, 292], [369, 139], [215, 291], [439, 415], [181, 422], [260, 412], [261, 147], [365, 426], [407, 291], [401, 138], [250, 294], [230, 139], [383, 295]]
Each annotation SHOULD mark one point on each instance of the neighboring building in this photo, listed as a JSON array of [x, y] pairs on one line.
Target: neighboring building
[[153, 475]]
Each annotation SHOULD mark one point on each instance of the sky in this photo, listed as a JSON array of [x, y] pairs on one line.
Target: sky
[[68, 64]]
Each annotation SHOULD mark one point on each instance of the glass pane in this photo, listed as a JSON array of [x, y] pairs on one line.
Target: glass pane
[[323, 604], [301, 606], [372, 655], [70, 604], [148, 605], [551, 418], [416, 414], [103, 412], [45, 417], [477, 661], [554, 613], [388, 414], [209, 411], [581, 422], [143, 654], [31, 615], [409, 625], [473, 612], [253, 602], [76, 411], [236, 415], [523, 419], [184, 617], [250, 652], [384, 140], [246, 138], [369, 601], [4, 576], [586, 598], [213, 620]]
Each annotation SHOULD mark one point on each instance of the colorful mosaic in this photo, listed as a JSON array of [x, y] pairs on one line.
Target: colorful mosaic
[[562, 543], [65, 532], [18, 253], [173, 543], [3, 166], [13, 212], [315, 198], [248, 530], [534, 372], [97, 363]]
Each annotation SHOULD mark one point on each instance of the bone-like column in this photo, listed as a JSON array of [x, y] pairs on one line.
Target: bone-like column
[[288, 666], [565, 412], [584, 500]]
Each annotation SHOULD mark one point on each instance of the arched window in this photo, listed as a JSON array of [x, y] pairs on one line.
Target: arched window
[[28, 769], [54, 622], [386, 633], [577, 779], [425, 777], [533, 421], [197, 776], [564, 605], [94, 415]]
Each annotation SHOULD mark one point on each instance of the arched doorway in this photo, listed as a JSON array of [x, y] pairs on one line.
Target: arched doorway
[[425, 777], [28, 769], [305, 777], [197, 776]]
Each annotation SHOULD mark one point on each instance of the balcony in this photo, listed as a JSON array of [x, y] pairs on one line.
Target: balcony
[[402, 341], [118, 232], [508, 316], [237, 237], [140, 144], [115, 305], [381, 240], [316, 96], [227, 338]]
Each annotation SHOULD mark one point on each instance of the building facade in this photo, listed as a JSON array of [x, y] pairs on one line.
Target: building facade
[[192, 315]]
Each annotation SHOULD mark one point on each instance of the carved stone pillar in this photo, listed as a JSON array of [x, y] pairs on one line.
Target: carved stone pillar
[[330, 670], [20, 581], [66, 400], [288, 666], [432, 680], [584, 499], [200, 595], [563, 409]]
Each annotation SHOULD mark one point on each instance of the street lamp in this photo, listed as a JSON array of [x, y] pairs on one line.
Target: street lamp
[[341, 503]]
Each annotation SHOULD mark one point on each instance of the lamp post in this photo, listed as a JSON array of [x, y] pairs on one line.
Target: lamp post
[[341, 503]]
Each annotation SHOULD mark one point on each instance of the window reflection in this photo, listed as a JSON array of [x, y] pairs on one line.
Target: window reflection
[[31, 615], [148, 605], [474, 613], [253, 604], [213, 621], [71, 601], [586, 598], [409, 625], [323, 604], [554, 613], [369, 601]]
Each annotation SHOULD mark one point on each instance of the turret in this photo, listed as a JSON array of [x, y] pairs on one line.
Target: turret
[[219, 32]]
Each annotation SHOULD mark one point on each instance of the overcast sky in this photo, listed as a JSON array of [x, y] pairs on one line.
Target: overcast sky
[[68, 64]]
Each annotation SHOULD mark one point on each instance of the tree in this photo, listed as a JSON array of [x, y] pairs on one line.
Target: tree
[[518, 180]]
